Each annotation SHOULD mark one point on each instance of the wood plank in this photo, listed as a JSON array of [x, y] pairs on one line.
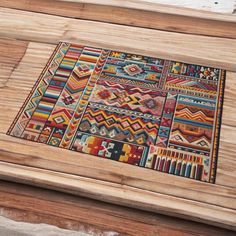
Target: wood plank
[[31, 73], [144, 14], [216, 52], [89, 216], [10, 104], [120, 194], [173, 188], [163, 8], [226, 160], [84, 165], [33, 154], [7, 62]]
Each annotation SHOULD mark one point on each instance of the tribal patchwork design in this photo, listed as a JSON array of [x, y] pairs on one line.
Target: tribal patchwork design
[[149, 112]]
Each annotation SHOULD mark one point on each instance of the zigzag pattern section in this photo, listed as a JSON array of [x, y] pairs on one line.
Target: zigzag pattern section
[[116, 123], [193, 124], [158, 114]]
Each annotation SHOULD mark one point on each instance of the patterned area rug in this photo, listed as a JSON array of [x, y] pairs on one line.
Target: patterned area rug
[[153, 113]]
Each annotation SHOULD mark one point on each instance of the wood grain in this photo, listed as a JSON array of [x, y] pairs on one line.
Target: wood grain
[[88, 166], [152, 6], [31, 43], [216, 52], [33, 154], [36, 205], [120, 194], [155, 17], [7, 62]]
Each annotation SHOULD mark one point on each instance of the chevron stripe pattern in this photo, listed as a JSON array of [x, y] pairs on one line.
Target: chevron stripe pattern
[[159, 114], [115, 123], [70, 95], [81, 106], [193, 124]]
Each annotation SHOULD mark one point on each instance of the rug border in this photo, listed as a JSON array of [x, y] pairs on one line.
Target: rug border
[[218, 125]]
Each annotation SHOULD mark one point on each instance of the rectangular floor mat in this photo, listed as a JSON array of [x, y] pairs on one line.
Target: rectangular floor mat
[[159, 114]]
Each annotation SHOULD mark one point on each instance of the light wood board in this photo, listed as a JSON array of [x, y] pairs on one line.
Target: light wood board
[[212, 51], [37, 205], [24, 52], [135, 13]]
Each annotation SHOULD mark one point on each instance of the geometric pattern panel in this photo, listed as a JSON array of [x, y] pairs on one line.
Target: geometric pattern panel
[[158, 114]]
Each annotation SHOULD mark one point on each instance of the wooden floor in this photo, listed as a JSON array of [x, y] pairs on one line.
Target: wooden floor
[[29, 32]]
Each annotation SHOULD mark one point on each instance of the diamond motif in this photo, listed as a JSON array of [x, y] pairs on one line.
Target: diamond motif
[[133, 69], [150, 103], [136, 126], [104, 94], [59, 119], [68, 100], [99, 118], [110, 121], [82, 70], [125, 124]]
